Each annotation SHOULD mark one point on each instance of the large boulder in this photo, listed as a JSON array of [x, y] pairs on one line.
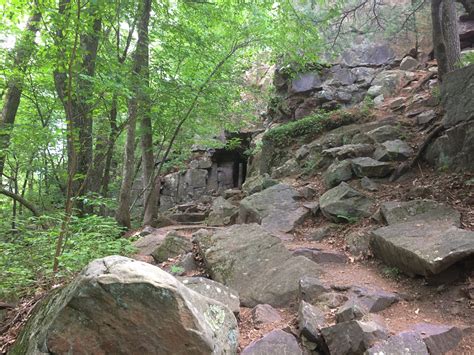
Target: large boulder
[[118, 305], [422, 247], [349, 151], [275, 208], [343, 203], [255, 264], [222, 212], [398, 212], [384, 133], [439, 339]]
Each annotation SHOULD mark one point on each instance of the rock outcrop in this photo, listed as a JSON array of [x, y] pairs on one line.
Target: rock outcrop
[[454, 149]]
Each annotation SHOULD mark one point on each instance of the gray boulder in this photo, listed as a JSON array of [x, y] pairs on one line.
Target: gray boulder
[[214, 290], [222, 212], [255, 264], [422, 247], [349, 151], [310, 320], [275, 208], [353, 337], [263, 314], [289, 168], [275, 342], [419, 210], [439, 339], [384, 133], [406, 343], [258, 183], [306, 82], [409, 64], [137, 307], [370, 167], [368, 54], [368, 184], [343, 203], [392, 80], [311, 289], [337, 172], [172, 246], [426, 117], [396, 150]]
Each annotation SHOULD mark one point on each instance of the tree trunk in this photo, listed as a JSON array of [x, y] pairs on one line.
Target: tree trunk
[[451, 34], [79, 111], [22, 53], [445, 35], [148, 159], [135, 108]]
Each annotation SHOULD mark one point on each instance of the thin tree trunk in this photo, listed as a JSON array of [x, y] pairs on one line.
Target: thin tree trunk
[[22, 53], [135, 108], [21, 200]]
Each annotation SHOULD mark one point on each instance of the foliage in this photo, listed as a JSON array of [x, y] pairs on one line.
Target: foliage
[[26, 256], [309, 127]]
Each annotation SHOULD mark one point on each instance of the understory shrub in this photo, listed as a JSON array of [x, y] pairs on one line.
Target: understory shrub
[[26, 257]]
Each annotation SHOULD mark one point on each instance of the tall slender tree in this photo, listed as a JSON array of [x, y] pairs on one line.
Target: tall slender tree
[[137, 107], [22, 53]]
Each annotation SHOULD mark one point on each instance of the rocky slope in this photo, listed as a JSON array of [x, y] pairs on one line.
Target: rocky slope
[[325, 249]]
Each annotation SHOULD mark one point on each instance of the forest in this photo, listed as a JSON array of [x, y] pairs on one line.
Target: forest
[[125, 118]]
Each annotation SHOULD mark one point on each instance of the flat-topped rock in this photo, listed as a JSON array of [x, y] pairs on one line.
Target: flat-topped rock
[[369, 167], [264, 314], [117, 305], [398, 212], [350, 151], [439, 339], [384, 133], [406, 343], [255, 264], [275, 208], [344, 204], [395, 150], [422, 247], [275, 342]]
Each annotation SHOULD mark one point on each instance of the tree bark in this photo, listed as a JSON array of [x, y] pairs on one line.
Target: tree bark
[[135, 108], [451, 34], [445, 35], [22, 53], [79, 111]]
